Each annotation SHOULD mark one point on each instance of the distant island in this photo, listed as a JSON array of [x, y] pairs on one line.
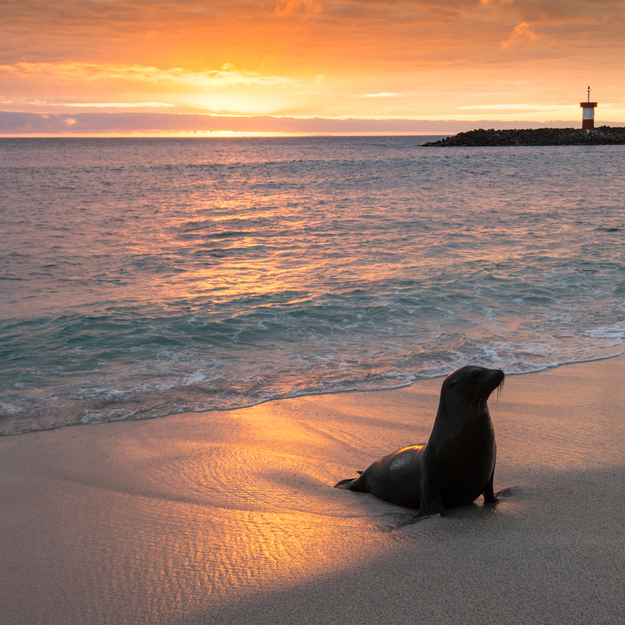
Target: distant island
[[604, 135]]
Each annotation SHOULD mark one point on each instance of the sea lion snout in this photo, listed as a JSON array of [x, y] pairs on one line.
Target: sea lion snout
[[497, 378]]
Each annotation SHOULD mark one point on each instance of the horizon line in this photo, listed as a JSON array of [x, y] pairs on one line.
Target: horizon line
[[136, 124]]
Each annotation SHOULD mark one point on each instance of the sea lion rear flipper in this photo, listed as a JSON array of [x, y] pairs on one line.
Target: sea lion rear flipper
[[344, 483]]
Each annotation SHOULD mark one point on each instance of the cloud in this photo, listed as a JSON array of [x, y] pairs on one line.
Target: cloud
[[305, 7], [379, 95], [158, 19], [297, 37], [522, 33], [82, 73], [559, 11], [514, 107], [108, 105]]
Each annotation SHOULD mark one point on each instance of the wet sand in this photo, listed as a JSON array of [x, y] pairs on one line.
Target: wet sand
[[230, 517]]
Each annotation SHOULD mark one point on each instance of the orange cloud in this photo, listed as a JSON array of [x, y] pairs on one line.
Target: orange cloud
[[86, 85], [306, 7], [288, 37], [522, 33], [90, 72]]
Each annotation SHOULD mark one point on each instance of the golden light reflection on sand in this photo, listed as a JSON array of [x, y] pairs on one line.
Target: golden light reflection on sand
[[195, 518], [251, 505]]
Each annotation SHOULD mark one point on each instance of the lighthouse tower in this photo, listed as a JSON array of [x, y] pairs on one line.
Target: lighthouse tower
[[588, 114]]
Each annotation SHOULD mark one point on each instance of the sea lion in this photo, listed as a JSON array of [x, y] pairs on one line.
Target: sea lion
[[456, 465]]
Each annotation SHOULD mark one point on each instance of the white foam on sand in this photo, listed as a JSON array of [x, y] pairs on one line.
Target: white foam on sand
[[231, 517]]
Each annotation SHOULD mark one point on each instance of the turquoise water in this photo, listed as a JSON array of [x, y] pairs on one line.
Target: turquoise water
[[144, 277]]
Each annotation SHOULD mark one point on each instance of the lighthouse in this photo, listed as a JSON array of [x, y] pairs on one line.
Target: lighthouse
[[588, 113]]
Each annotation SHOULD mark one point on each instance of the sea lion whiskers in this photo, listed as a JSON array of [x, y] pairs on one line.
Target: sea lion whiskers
[[486, 389], [499, 387]]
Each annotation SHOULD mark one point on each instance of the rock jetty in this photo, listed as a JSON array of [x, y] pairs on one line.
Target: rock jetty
[[604, 135]]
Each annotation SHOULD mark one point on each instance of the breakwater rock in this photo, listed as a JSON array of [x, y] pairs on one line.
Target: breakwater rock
[[604, 135]]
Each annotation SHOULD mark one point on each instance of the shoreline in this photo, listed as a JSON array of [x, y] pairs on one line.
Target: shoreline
[[63, 426], [230, 516]]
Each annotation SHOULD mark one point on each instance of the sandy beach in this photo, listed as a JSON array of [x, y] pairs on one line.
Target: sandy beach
[[230, 517]]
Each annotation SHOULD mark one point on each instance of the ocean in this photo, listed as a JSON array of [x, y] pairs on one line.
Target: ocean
[[145, 277]]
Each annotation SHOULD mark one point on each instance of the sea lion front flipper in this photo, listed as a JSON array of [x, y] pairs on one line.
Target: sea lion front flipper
[[415, 519], [489, 493], [432, 508], [508, 492], [431, 498], [425, 512]]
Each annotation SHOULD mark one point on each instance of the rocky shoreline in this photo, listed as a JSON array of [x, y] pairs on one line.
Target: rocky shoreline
[[604, 135]]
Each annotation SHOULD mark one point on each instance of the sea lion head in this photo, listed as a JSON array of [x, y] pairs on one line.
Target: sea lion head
[[468, 388]]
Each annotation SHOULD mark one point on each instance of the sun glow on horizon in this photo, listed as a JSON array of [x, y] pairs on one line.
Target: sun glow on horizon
[[324, 58]]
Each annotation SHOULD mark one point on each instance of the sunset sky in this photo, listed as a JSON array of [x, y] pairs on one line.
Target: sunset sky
[[116, 66]]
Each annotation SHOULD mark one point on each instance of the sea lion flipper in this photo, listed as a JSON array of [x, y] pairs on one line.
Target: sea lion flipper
[[425, 512], [344, 483], [431, 502], [432, 509], [508, 492], [415, 519], [489, 493]]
